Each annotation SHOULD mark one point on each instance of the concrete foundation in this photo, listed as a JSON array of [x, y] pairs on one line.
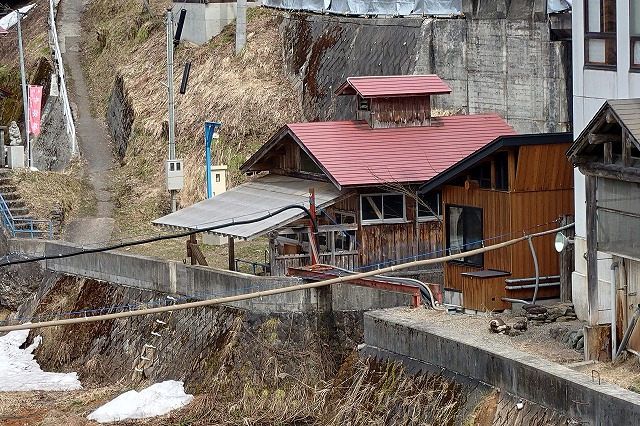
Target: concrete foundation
[[528, 377], [15, 157]]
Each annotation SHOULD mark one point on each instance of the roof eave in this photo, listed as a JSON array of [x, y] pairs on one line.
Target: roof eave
[[500, 142]]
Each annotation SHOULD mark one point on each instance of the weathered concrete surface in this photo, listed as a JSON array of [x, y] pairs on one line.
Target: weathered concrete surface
[[171, 277], [512, 371], [190, 345], [499, 60]]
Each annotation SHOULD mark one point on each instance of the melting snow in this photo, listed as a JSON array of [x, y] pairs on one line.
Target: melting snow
[[21, 372], [155, 400]]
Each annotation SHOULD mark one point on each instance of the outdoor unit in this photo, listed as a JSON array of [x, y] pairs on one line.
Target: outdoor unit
[[175, 175]]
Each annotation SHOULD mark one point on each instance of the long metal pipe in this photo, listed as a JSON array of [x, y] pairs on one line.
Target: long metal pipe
[[627, 333], [525, 280], [172, 137], [526, 286], [614, 319], [29, 326], [508, 299], [535, 265], [25, 102]]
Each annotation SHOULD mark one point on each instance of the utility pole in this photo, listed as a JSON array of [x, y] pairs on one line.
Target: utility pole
[[172, 142], [25, 101]]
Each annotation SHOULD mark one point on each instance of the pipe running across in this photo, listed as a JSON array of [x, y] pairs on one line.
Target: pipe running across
[[210, 302]]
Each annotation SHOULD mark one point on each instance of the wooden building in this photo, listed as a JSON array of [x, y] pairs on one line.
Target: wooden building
[[368, 172], [607, 152], [515, 185]]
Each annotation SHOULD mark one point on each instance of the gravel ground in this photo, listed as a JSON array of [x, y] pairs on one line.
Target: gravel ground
[[536, 340]]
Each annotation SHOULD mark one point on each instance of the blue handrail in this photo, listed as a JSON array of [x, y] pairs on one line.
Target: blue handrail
[[9, 223]]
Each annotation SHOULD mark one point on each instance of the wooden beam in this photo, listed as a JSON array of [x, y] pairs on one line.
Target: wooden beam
[[610, 171], [232, 254], [608, 153], [567, 261], [600, 138], [592, 253], [626, 151]]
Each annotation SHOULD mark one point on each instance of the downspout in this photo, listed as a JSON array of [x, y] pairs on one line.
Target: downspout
[[535, 264], [614, 319]]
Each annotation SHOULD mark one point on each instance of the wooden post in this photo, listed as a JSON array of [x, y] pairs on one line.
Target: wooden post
[[567, 261], [192, 240], [592, 249], [313, 242], [232, 254]]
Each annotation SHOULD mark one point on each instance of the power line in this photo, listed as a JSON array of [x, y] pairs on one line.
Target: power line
[[241, 297]]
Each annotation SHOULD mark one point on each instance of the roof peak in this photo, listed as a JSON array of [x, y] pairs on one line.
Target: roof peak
[[393, 86]]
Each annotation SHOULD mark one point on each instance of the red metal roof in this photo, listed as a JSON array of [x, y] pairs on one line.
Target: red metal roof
[[393, 86], [353, 153]]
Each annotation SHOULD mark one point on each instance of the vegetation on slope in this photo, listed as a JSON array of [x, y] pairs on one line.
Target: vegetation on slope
[[247, 93]]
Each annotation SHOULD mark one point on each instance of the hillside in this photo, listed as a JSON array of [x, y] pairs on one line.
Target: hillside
[[248, 94]]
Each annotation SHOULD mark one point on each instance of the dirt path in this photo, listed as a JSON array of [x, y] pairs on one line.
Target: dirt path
[[94, 143]]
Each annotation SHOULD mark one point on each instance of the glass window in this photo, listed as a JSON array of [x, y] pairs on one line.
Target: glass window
[[482, 174], [501, 161], [380, 208], [464, 232], [634, 32], [600, 32], [618, 206], [430, 205]]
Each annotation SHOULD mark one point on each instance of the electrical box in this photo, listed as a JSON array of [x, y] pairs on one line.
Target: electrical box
[[218, 179], [175, 175]]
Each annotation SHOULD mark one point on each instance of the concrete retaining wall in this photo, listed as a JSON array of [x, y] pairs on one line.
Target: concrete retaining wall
[[525, 376], [494, 62], [172, 277]]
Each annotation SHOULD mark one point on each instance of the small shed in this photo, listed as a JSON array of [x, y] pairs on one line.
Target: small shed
[[607, 152], [517, 184]]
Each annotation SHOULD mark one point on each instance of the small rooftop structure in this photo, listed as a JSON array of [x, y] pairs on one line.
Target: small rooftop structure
[[394, 86]]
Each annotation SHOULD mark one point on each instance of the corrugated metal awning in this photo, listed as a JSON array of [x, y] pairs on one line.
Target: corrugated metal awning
[[252, 200]]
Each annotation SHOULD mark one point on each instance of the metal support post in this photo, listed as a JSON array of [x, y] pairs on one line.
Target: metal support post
[[24, 90], [172, 143]]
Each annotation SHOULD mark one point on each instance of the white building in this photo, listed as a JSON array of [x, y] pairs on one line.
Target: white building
[[606, 66]]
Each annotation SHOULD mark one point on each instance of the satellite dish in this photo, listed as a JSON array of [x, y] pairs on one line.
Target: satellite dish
[[561, 242]]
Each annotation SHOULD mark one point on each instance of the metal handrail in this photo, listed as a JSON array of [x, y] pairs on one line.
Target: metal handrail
[[9, 223]]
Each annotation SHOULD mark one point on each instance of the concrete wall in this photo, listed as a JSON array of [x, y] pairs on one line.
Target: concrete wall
[[205, 20], [525, 376], [495, 62], [172, 277]]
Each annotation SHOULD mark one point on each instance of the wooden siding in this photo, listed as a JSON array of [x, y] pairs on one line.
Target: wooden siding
[[529, 209], [402, 111], [496, 220], [543, 167], [385, 243]]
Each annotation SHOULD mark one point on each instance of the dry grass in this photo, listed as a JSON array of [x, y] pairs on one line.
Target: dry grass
[[47, 192], [247, 93]]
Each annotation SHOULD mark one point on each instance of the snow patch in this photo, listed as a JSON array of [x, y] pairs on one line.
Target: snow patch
[[153, 401], [21, 372]]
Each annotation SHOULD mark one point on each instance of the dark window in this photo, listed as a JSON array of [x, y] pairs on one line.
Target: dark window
[[217, 177], [464, 232], [501, 161], [364, 104], [634, 31], [600, 33], [378, 208], [429, 205], [482, 174], [307, 164]]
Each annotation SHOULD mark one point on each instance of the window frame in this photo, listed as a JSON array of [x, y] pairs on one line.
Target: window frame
[[429, 217], [403, 219], [465, 260], [633, 37], [607, 36]]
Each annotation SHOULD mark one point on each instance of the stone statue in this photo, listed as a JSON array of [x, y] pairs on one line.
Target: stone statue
[[14, 134]]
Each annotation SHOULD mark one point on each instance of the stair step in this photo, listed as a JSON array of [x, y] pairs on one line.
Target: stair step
[[6, 188], [15, 204], [10, 196]]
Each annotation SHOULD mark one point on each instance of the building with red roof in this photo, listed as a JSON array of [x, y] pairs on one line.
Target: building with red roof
[[367, 174]]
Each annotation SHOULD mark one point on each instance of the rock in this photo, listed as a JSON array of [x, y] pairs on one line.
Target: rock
[[573, 339], [534, 309], [514, 333], [566, 319], [520, 324], [580, 343], [580, 332], [556, 312], [497, 325], [558, 332]]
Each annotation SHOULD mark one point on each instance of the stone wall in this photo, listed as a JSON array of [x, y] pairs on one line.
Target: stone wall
[[497, 60]]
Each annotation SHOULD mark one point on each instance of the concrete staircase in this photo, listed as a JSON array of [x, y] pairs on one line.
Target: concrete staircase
[[17, 207]]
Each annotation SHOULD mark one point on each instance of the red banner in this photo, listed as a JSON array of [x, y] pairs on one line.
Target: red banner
[[35, 99]]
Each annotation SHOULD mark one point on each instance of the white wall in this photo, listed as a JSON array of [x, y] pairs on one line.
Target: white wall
[[591, 88], [205, 20]]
